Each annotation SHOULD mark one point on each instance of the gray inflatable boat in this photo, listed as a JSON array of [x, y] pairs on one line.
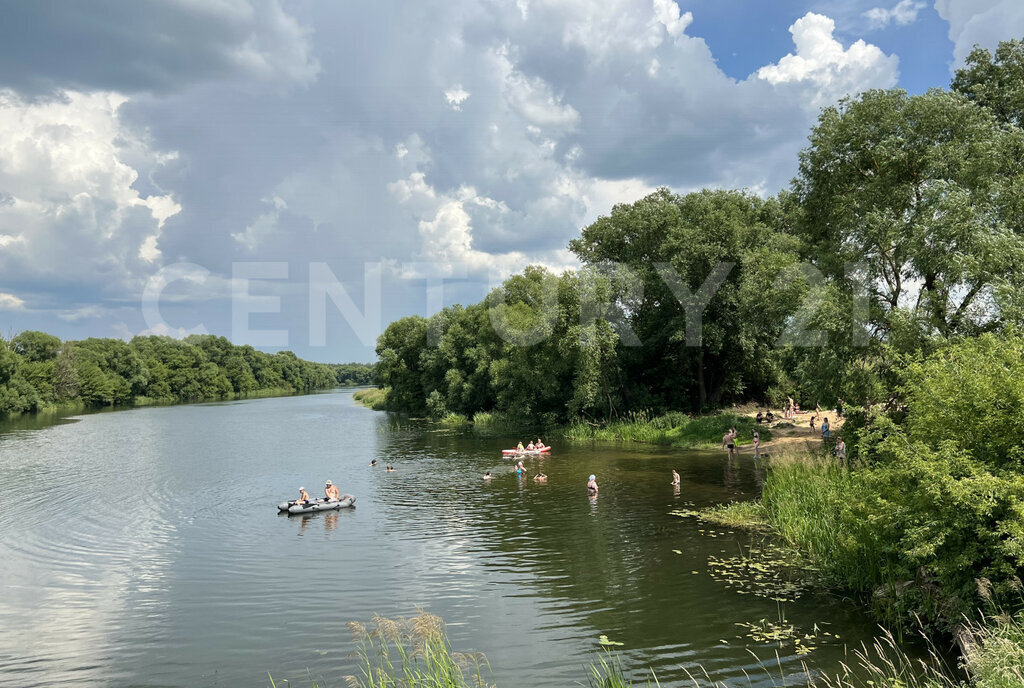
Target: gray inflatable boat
[[317, 505]]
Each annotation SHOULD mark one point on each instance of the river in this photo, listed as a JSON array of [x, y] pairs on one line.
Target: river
[[144, 548]]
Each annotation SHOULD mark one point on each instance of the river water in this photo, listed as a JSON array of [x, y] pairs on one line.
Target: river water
[[144, 548]]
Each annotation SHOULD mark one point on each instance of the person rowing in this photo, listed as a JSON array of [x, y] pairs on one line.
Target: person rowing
[[332, 492]]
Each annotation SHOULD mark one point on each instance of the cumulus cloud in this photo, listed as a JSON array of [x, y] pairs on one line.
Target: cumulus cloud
[[825, 68], [72, 208], [456, 96], [10, 302], [667, 12], [169, 45], [980, 22], [904, 12]]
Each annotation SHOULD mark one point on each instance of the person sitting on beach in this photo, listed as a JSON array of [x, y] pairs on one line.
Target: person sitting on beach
[[303, 495], [592, 484], [487, 475], [770, 417], [760, 418], [541, 478], [332, 492], [675, 478]]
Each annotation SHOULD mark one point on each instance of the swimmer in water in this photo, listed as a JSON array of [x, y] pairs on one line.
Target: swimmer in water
[[592, 484], [487, 475], [374, 462], [541, 478], [390, 468]]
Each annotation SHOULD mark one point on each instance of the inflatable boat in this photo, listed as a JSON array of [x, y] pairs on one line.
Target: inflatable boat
[[317, 505], [525, 452]]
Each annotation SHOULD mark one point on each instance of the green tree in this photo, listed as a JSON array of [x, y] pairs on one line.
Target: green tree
[[36, 346], [995, 82]]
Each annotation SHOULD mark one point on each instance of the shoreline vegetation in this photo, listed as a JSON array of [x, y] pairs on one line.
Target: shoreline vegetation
[[42, 375], [416, 652]]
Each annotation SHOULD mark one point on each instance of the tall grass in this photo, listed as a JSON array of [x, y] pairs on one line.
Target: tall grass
[[374, 398], [998, 659], [412, 653], [675, 429], [816, 505]]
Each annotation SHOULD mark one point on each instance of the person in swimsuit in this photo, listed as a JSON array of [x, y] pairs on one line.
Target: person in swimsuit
[[520, 468], [592, 485], [729, 441], [487, 475], [540, 443], [390, 468], [675, 478], [757, 444], [332, 492], [303, 496], [374, 462], [541, 478], [530, 447]]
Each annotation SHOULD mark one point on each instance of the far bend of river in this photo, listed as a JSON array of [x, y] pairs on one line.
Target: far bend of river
[[144, 548]]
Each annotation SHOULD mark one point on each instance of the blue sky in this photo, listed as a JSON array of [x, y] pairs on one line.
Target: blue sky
[[298, 173]]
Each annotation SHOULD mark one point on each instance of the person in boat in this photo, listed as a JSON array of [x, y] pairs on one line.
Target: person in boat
[[675, 478], [303, 496], [530, 447], [332, 492], [539, 443], [487, 475], [541, 478], [520, 448]]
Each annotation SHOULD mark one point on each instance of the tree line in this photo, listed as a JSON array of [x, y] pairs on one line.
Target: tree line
[[38, 370], [901, 232]]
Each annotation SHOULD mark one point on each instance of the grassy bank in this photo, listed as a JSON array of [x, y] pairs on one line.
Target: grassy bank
[[672, 429], [374, 398]]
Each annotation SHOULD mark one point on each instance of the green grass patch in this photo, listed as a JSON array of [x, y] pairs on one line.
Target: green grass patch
[[373, 397], [672, 429], [736, 515], [454, 420]]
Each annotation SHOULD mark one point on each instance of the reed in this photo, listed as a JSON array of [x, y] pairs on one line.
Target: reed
[[373, 397], [674, 429]]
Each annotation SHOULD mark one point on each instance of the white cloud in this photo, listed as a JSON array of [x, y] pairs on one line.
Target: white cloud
[[10, 302], [73, 210], [456, 96], [826, 70], [981, 22], [667, 12], [904, 12]]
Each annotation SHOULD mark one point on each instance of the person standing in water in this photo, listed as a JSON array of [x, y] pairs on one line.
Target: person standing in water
[[675, 478], [757, 444], [729, 441], [592, 485]]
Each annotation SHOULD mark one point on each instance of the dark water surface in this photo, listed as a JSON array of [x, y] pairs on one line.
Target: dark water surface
[[144, 548]]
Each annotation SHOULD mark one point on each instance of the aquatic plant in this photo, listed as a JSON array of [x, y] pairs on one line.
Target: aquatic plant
[[412, 653], [374, 398]]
